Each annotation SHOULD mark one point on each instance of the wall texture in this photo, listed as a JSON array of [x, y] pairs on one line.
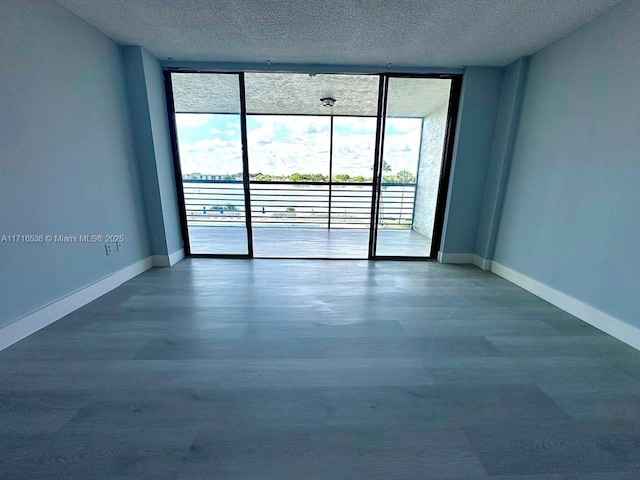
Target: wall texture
[[67, 155], [434, 128], [571, 216], [471, 154]]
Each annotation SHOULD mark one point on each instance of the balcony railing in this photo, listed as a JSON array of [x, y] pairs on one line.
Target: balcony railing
[[297, 204]]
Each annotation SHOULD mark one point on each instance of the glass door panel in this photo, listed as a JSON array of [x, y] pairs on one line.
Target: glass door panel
[[354, 140], [289, 180], [208, 129], [415, 126], [311, 142]]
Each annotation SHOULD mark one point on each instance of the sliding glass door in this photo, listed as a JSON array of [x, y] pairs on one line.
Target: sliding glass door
[[410, 166], [312, 166], [209, 125], [310, 142]]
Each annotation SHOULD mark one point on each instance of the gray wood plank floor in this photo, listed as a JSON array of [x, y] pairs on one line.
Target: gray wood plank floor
[[271, 369]]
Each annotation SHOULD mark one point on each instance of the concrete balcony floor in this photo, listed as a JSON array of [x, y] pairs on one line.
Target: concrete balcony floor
[[307, 242]]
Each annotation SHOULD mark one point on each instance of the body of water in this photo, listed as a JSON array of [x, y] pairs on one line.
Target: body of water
[[280, 204]]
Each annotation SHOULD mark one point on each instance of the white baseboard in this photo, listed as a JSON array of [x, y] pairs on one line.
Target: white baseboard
[[455, 257], [480, 262], [465, 258], [32, 322], [168, 260], [585, 312]]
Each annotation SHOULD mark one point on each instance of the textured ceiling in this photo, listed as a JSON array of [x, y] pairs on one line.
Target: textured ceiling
[[438, 33], [300, 94]]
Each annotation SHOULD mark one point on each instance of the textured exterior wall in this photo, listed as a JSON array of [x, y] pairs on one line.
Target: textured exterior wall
[[433, 133]]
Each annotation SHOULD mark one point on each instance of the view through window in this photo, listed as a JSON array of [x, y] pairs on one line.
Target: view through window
[[310, 167]]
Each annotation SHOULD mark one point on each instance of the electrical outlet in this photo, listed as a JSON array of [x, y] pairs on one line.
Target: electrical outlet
[[107, 249]]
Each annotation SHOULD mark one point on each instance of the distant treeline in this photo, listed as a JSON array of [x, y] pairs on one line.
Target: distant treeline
[[404, 176]]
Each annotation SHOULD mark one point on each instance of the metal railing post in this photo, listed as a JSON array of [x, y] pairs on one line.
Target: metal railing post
[[330, 174]]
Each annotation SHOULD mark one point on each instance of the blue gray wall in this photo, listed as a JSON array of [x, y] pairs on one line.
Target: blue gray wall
[[163, 151], [153, 146], [67, 155], [571, 216], [506, 127], [471, 155]]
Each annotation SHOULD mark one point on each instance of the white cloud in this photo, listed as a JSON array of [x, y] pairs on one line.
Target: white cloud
[[192, 120], [211, 156], [355, 124], [285, 145], [404, 125], [211, 144]]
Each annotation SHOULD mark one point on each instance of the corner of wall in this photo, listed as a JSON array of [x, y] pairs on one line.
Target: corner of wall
[[161, 134], [53, 311], [570, 217], [153, 148], [479, 100], [503, 141]]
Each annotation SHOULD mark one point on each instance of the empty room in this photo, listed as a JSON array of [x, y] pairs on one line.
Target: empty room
[[345, 239]]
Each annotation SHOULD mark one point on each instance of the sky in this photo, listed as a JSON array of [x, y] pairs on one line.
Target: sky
[[210, 144]]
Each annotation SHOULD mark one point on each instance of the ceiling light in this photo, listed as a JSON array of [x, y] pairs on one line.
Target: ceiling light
[[328, 101]]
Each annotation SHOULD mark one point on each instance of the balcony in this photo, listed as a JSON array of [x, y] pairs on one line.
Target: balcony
[[301, 219]]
